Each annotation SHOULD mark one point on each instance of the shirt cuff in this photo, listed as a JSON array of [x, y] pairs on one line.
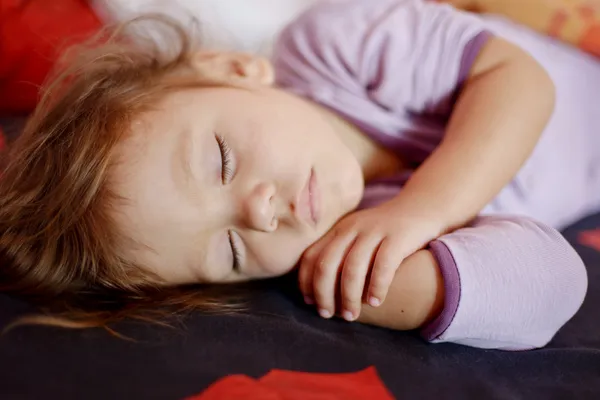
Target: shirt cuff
[[449, 271], [470, 53]]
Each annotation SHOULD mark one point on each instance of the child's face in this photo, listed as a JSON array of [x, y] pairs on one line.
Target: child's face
[[182, 208]]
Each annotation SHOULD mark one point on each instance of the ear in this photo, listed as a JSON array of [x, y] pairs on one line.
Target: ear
[[234, 68]]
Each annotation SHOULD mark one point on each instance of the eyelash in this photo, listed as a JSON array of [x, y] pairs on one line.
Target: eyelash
[[235, 252], [226, 175], [226, 171]]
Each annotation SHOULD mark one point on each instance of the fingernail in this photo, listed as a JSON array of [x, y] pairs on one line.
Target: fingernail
[[324, 313], [308, 300], [348, 316], [374, 301]]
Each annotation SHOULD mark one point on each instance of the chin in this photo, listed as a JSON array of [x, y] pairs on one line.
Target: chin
[[280, 269], [352, 201], [354, 190]]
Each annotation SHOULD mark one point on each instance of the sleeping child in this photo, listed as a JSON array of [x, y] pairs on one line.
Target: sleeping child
[[411, 161]]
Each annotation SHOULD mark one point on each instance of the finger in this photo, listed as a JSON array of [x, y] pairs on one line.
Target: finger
[[387, 260], [354, 274], [307, 265], [326, 272], [305, 274]]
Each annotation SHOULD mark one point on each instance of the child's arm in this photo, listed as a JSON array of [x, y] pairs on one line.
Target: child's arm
[[503, 282], [415, 297], [497, 121], [397, 72], [498, 118]]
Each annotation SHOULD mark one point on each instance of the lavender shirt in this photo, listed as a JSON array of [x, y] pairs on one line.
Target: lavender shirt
[[395, 68]]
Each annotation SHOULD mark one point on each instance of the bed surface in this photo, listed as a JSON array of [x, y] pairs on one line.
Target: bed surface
[[281, 333]]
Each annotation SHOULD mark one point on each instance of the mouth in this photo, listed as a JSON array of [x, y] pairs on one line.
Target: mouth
[[308, 206], [315, 197]]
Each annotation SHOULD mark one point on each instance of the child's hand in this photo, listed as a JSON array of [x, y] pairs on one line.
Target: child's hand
[[364, 248]]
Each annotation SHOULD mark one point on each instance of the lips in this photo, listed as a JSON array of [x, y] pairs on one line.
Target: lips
[[308, 204], [314, 197]]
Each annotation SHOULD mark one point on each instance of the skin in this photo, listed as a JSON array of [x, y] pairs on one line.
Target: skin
[[182, 207], [497, 121]]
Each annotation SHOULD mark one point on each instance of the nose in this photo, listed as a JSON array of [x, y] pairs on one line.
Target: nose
[[259, 208]]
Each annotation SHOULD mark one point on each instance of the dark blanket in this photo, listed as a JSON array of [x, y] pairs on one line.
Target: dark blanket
[[281, 333]]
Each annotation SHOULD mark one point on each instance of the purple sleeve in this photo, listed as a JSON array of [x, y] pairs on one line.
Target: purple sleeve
[[424, 52], [472, 50], [391, 67], [510, 283]]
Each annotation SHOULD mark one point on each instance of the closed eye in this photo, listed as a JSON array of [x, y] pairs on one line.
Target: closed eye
[[236, 253], [226, 167]]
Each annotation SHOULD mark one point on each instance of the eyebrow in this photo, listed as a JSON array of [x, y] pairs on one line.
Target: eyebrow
[[185, 150], [183, 157]]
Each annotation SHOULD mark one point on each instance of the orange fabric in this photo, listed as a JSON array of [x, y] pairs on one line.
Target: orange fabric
[[291, 385], [576, 22], [590, 238], [32, 35]]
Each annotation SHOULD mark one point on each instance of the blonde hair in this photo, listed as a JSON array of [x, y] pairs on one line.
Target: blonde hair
[[59, 245]]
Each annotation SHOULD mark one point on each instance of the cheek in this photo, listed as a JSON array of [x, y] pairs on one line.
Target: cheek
[[274, 158], [279, 139], [278, 253], [281, 259]]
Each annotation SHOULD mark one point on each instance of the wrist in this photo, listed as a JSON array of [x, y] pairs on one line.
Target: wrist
[[433, 217], [416, 295]]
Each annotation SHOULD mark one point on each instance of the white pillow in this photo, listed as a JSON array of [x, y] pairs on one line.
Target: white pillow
[[245, 25]]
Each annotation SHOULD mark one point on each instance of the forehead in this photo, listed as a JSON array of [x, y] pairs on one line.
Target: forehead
[[172, 223], [151, 210]]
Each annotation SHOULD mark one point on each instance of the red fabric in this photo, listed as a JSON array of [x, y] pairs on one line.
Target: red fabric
[[590, 238], [290, 385], [32, 35]]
